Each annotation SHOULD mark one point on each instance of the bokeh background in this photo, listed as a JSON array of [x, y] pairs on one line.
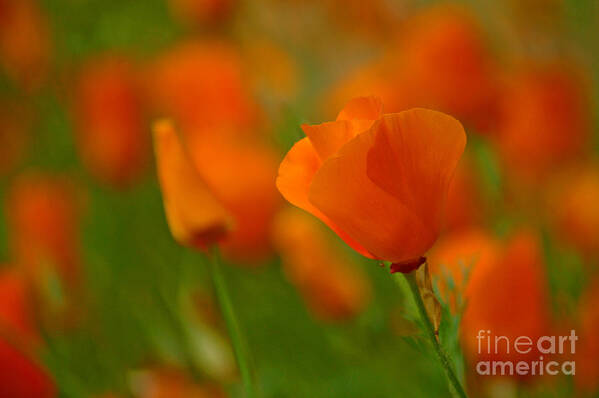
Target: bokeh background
[[98, 300]]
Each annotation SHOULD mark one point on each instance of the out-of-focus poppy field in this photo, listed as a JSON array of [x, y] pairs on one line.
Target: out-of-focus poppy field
[[285, 198]]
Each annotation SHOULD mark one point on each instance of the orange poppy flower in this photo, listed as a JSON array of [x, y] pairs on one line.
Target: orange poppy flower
[[330, 284], [545, 119], [445, 65], [574, 208], [457, 256], [43, 224], [43, 217], [202, 85], [227, 177], [195, 216], [16, 313], [24, 41], [20, 376], [439, 62], [241, 174], [379, 181], [504, 293], [111, 130], [508, 296]]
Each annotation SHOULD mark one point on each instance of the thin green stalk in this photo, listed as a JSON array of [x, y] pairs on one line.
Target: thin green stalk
[[178, 325], [430, 331], [237, 341]]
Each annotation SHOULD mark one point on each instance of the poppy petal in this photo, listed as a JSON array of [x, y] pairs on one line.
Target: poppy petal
[[295, 176], [358, 116], [240, 173], [328, 138], [413, 158], [342, 190], [296, 173], [195, 216]]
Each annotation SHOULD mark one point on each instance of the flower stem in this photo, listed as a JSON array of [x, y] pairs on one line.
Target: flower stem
[[179, 327], [237, 341], [430, 331]]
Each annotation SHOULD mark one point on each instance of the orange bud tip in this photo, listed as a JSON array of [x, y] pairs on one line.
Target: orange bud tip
[[204, 240], [405, 267]]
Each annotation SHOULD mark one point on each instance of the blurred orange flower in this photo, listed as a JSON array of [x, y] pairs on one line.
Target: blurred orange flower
[[236, 178], [445, 65], [506, 291], [241, 174], [24, 41], [439, 62], [379, 181], [20, 376], [43, 214], [574, 208], [332, 286], [545, 119], [195, 216], [16, 312], [43, 217], [111, 130], [203, 85], [457, 256]]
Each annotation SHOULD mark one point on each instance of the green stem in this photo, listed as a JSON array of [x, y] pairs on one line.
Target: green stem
[[239, 347], [430, 331], [178, 325]]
